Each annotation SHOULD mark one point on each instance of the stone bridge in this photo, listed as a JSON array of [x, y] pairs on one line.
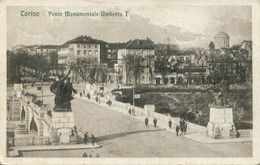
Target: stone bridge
[[39, 124]]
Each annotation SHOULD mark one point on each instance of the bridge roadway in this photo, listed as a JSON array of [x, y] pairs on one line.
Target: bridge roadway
[[123, 136]]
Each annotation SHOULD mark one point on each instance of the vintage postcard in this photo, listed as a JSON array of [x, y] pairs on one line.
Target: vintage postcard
[[147, 82]]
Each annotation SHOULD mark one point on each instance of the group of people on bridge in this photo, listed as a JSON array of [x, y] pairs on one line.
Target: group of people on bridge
[[181, 127]]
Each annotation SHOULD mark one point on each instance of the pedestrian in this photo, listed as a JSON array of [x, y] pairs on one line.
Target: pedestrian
[[155, 122], [85, 154], [184, 127], [177, 130], [170, 123], [133, 111], [129, 111], [85, 138], [93, 139], [146, 121], [90, 156], [97, 155], [237, 134], [80, 94], [75, 130]]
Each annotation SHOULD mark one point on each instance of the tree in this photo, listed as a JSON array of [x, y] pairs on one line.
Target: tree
[[53, 58], [211, 45], [37, 64], [89, 70], [134, 67], [162, 66]]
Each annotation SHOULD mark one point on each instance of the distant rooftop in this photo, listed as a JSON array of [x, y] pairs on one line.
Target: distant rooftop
[[48, 47], [221, 34], [140, 44], [84, 39], [116, 45]]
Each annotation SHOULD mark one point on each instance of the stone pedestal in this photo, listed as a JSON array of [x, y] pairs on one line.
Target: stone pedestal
[[63, 122], [220, 123]]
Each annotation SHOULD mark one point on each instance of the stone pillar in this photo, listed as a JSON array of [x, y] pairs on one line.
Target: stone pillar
[[63, 122], [149, 109], [220, 123]]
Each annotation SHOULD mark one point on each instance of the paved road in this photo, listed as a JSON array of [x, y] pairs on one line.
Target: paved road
[[123, 136]]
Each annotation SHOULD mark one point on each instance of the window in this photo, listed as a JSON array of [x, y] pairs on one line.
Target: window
[[89, 46], [78, 45], [96, 52], [84, 45], [85, 52], [78, 52], [96, 46], [89, 52]]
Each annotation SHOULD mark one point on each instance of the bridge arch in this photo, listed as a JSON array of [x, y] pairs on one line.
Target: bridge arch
[[33, 127], [22, 114]]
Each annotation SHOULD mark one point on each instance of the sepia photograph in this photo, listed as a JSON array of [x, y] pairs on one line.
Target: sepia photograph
[[143, 81]]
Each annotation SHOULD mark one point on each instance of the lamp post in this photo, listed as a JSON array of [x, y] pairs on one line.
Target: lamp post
[[133, 111]]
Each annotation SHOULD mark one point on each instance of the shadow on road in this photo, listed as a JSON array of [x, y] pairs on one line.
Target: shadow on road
[[112, 136]]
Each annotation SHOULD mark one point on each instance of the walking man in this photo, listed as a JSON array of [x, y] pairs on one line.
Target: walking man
[[170, 123], [155, 122], [146, 121], [85, 138], [93, 139], [177, 130], [129, 111]]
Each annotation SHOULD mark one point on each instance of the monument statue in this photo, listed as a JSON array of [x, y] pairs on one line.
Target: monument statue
[[64, 91]]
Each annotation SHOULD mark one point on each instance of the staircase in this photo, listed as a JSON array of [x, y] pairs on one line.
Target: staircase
[[21, 129]]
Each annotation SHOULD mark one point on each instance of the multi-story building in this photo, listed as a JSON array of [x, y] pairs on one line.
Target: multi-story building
[[112, 50], [136, 62], [82, 47], [182, 67]]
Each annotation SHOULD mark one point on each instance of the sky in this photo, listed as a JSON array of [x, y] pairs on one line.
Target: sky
[[187, 26]]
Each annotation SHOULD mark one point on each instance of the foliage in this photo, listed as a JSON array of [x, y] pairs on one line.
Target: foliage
[[16, 61], [211, 45], [90, 71], [134, 67]]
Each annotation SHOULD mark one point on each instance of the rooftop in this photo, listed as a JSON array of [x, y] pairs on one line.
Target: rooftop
[[140, 44], [49, 47], [221, 34], [84, 39]]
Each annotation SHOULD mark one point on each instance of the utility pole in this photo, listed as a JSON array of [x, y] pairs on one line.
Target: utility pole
[[42, 80], [134, 86]]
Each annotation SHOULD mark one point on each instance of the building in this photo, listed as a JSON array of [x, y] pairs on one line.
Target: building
[[112, 50], [47, 49], [136, 62], [82, 47], [247, 45], [183, 67], [221, 40]]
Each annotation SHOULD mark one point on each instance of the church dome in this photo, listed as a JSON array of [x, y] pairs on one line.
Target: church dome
[[221, 35]]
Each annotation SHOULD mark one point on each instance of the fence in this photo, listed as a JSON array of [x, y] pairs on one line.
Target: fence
[[245, 132], [24, 141], [162, 119]]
